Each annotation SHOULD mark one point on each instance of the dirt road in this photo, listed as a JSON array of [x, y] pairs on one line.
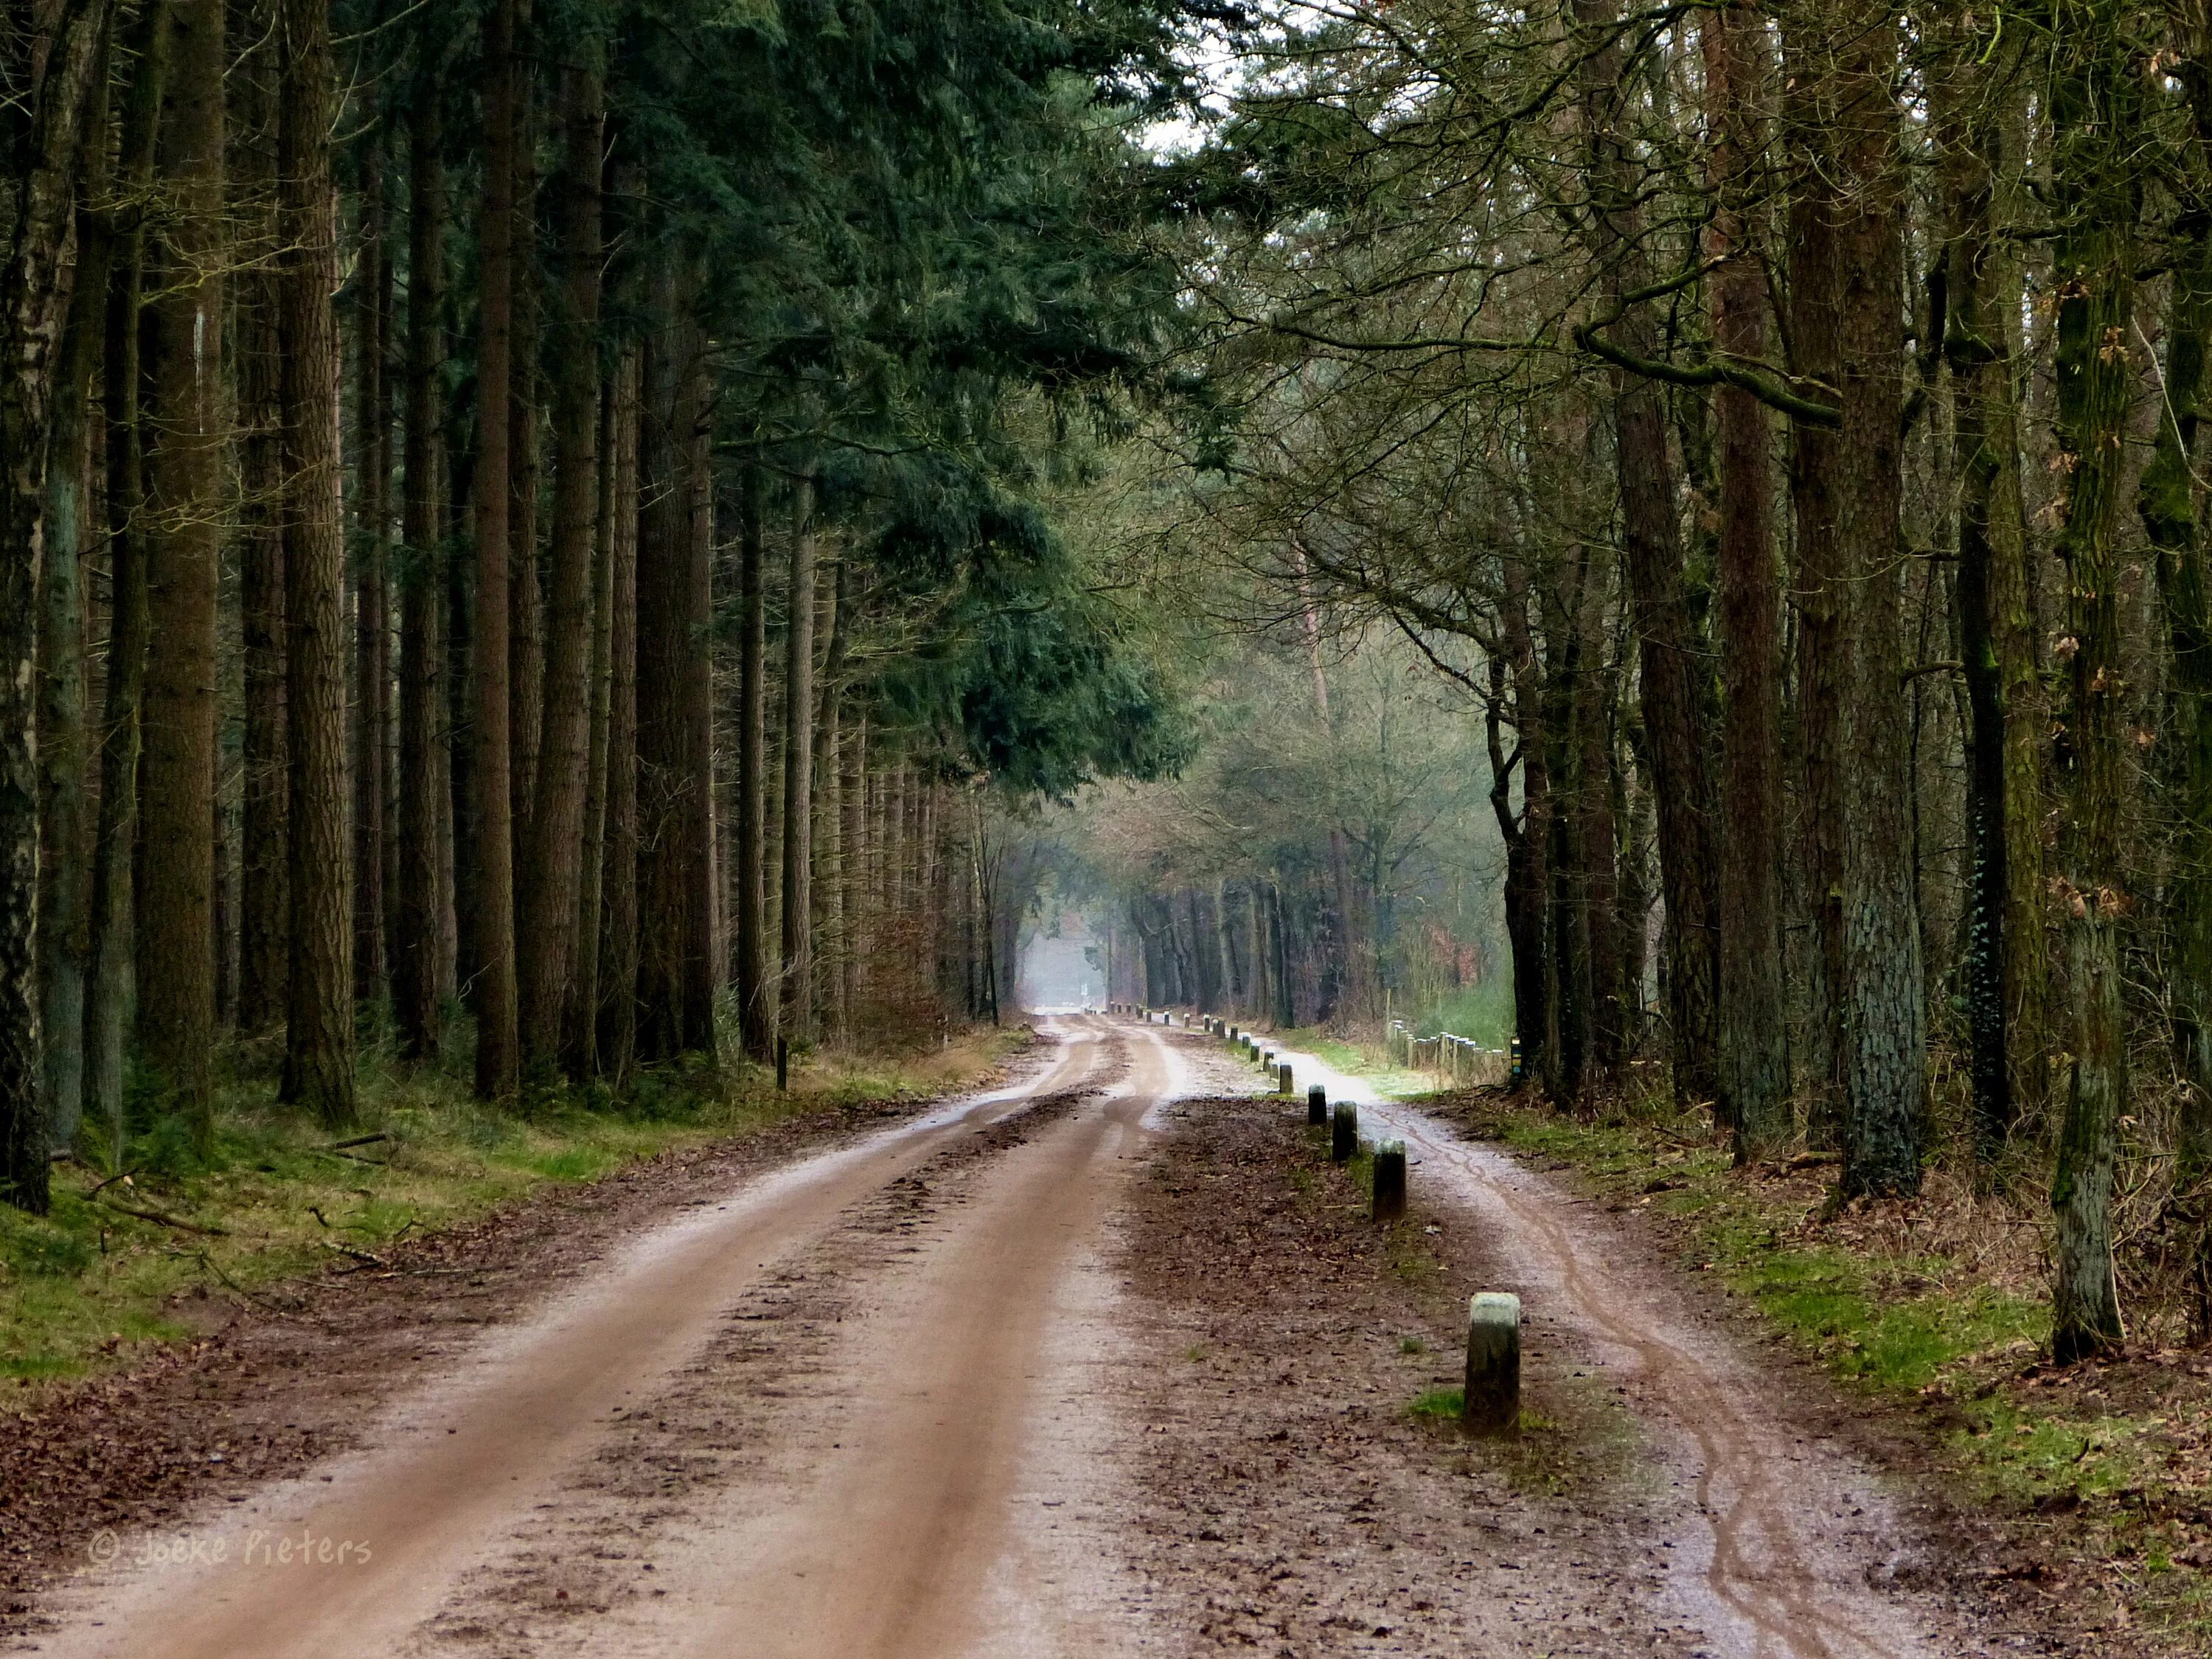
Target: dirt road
[[928, 1395]]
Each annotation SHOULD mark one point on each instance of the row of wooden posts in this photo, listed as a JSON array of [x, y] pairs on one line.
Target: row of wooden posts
[[1491, 1403]]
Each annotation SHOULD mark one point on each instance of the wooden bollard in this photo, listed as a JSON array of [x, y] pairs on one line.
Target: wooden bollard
[[1344, 1133], [1491, 1404], [1283, 1077], [1317, 1106], [1390, 1181]]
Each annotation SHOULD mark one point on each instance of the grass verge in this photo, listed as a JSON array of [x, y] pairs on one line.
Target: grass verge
[[282, 1197]]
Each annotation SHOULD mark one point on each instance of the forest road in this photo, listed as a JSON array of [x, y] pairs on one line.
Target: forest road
[[369, 1555]]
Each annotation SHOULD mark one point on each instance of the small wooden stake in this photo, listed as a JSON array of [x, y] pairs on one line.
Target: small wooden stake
[[1492, 1401], [1344, 1133], [1317, 1106], [1282, 1078], [1390, 1181]]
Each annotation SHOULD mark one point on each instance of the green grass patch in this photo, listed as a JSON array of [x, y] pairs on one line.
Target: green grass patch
[[119, 1260]]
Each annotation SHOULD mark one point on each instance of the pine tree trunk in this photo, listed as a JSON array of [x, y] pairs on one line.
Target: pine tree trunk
[[826, 882], [264, 903], [2167, 503], [318, 1012], [425, 801], [1754, 1055], [62, 736], [2003, 971], [113, 944], [491, 834], [550, 874], [371, 602], [618, 949], [755, 1008], [799, 766], [2095, 110], [580, 1047], [1670, 652], [176, 935], [34, 298], [1594, 808], [852, 873]]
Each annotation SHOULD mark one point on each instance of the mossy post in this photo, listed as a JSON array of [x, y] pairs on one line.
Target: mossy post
[[1317, 1106], [1492, 1399], [1344, 1133], [1283, 1077], [1390, 1181]]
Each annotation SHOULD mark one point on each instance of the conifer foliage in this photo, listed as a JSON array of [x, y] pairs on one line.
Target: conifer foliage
[[412, 414]]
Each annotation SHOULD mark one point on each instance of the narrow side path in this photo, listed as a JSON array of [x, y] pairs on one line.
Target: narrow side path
[[1787, 1546]]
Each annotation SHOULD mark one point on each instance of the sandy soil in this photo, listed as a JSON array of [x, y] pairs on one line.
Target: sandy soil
[[1103, 1362]]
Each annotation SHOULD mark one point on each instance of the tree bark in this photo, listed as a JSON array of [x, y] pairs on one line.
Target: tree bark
[[2167, 503], [549, 875], [1666, 632], [265, 896], [318, 1012], [617, 425], [1754, 1055], [176, 1024], [2003, 969], [425, 800], [492, 834], [825, 883], [62, 735], [618, 953], [755, 1008], [109, 993], [799, 766], [2095, 109], [372, 600]]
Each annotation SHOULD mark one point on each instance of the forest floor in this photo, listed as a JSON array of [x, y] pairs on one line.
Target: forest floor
[[1109, 1360]]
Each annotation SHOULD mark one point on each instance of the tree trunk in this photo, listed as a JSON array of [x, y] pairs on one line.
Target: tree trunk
[[2095, 109], [851, 865], [675, 709], [109, 993], [618, 949], [1527, 834], [492, 835], [827, 882], [372, 601], [1670, 651], [580, 1047], [425, 801], [62, 736], [176, 935], [550, 877], [319, 1024], [2169, 506], [2003, 968], [799, 766], [1754, 1055], [756, 1010]]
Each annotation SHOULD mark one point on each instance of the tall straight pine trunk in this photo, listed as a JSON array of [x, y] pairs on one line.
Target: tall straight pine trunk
[[2095, 110], [799, 768], [108, 992], [319, 1008], [176, 934], [1755, 1056], [490, 843], [418, 943], [554, 837]]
